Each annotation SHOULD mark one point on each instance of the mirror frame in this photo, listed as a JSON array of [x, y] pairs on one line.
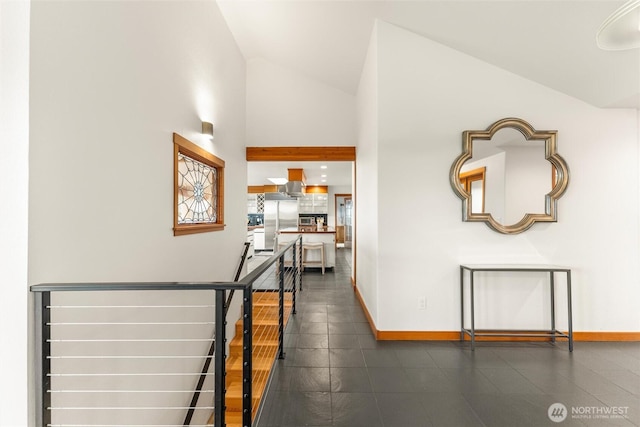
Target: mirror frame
[[551, 198]]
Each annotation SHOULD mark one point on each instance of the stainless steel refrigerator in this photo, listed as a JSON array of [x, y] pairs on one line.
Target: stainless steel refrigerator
[[279, 212]]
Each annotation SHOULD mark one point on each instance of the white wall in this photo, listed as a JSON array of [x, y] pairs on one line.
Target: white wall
[[427, 96], [14, 182], [366, 196], [494, 184], [286, 108], [110, 83]]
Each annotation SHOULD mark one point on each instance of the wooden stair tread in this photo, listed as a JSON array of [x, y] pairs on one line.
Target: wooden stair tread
[[236, 344], [265, 315], [257, 364]]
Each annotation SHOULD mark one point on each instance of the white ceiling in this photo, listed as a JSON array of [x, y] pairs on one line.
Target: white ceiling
[[337, 173], [549, 41]]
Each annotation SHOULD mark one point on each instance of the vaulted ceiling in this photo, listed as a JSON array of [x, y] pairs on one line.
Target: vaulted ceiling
[[551, 42]]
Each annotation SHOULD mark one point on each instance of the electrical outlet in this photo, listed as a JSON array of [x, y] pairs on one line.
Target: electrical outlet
[[422, 303]]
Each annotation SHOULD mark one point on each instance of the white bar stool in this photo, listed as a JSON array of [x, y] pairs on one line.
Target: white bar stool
[[313, 246]]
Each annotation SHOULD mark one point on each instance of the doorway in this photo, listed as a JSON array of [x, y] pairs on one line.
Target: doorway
[[344, 220], [319, 154]]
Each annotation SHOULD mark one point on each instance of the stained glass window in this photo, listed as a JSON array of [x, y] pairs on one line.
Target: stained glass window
[[197, 198], [198, 189]]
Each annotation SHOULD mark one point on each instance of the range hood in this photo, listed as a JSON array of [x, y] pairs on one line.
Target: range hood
[[297, 183], [295, 188], [279, 195]]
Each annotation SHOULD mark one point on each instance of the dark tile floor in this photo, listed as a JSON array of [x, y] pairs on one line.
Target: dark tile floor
[[336, 374]]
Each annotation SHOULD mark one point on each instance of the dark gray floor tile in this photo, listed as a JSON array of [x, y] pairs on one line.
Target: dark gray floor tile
[[402, 410], [312, 409], [578, 408], [341, 328], [415, 357], [281, 378], [350, 380], [309, 379], [313, 341], [308, 357], [340, 318], [313, 328], [346, 358], [592, 382], [355, 410], [510, 381], [429, 380], [446, 409], [290, 340], [359, 381], [314, 317], [312, 308], [380, 358], [279, 409], [450, 358], [508, 410], [343, 341], [628, 408], [391, 379], [470, 381], [548, 381], [624, 379], [362, 327], [367, 341]]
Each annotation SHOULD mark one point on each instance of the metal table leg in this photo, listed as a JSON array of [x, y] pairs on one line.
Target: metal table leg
[[553, 306], [569, 311], [473, 316], [461, 304]]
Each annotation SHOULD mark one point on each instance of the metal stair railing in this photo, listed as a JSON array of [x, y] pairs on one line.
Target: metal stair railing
[[105, 351], [207, 361]]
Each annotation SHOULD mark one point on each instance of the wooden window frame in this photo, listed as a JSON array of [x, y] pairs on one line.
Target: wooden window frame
[[466, 178], [187, 148]]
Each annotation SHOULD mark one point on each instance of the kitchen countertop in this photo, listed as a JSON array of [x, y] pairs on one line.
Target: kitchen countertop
[[307, 230], [253, 227]]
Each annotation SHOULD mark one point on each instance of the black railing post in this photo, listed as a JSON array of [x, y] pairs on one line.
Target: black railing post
[[300, 269], [294, 264], [207, 360], [219, 361], [42, 353], [281, 308], [247, 351]]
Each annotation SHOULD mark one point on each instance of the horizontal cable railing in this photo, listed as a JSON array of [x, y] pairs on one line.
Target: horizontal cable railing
[[273, 302], [130, 354]]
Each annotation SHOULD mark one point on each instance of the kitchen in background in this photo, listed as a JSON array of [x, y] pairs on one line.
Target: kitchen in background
[[280, 211]]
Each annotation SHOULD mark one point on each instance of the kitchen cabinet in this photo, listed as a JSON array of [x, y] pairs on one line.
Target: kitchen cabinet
[[258, 239], [255, 203], [327, 236], [250, 240], [313, 203]]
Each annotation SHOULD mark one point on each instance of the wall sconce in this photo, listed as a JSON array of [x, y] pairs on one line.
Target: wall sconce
[[207, 129]]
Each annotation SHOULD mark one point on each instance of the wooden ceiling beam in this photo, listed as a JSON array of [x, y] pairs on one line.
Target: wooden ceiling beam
[[306, 154]]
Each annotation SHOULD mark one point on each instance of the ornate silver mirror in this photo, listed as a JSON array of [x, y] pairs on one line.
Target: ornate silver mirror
[[509, 176]]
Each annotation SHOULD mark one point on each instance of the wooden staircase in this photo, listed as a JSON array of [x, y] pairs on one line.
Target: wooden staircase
[[265, 351]]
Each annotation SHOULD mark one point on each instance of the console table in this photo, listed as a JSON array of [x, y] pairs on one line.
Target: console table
[[552, 333]]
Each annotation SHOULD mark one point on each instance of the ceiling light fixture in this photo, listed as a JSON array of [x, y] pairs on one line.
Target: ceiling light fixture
[[323, 167], [621, 30], [207, 129]]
